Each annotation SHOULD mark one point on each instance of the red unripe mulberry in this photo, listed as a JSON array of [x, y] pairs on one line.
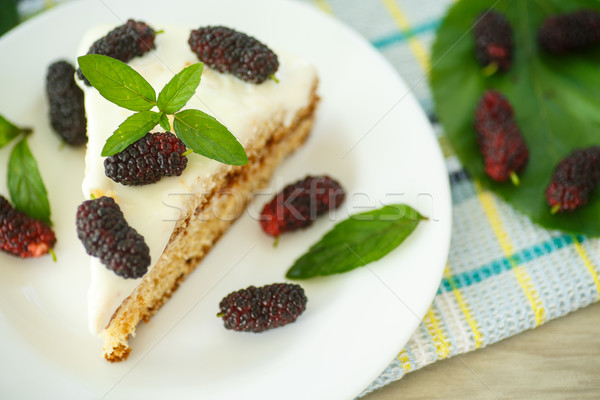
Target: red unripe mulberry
[[574, 178], [21, 235], [501, 143], [299, 204]]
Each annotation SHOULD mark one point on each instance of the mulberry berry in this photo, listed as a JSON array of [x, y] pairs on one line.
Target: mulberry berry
[[574, 179], [300, 203], [21, 235], [67, 110], [500, 140], [258, 309], [493, 40], [576, 31], [133, 39], [105, 234], [147, 160], [227, 50]]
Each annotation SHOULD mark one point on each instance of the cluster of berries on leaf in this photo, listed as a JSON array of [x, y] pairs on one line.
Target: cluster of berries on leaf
[[500, 140]]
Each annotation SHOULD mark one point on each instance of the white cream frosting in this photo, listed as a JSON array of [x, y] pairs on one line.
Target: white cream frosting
[[154, 209]]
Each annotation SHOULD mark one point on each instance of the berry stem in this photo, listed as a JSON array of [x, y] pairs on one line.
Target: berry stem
[[276, 241], [555, 209], [274, 78], [514, 178], [490, 69], [158, 32], [187, 152], [53, 254]]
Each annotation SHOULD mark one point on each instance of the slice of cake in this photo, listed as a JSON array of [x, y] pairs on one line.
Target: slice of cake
[[181, 217]]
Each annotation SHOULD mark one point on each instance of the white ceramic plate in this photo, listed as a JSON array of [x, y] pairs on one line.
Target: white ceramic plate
[[370, 134]]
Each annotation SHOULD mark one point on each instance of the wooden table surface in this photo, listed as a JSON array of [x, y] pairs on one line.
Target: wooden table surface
[[558, 360]]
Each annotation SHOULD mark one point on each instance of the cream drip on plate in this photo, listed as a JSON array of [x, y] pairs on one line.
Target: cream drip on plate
[[154, 209]]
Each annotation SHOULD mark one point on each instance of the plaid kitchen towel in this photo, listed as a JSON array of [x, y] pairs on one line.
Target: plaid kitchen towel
[[504, 274]]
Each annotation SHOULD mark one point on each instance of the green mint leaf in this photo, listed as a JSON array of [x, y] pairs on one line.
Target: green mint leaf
[[118, 82], [180, 89], [8, 131], [25, 185], [357, 241], [132, 129], [207, 136], [164, 122]]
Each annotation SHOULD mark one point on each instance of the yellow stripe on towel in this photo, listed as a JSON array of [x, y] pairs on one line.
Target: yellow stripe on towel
[[588, 263], [432, 323], [324, 6], [405, 361], [402, 22], [462, 304], [489, 206]]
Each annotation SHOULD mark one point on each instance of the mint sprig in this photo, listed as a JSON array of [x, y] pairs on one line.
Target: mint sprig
[[357, 241], [25, 186], [125, 87]]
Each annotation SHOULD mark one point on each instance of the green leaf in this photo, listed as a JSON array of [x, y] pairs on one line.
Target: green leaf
[[207, 136], [164, 122], [9, 16], [8, 131], [132, 129], [556, 101], [25, 184], [357, 241], [118, 82], [180, 89]]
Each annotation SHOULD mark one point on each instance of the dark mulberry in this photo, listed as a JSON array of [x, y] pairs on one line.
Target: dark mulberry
[[227, 50], [575, 31], [21, 235], [574, 178], [67, 109], [133, 39], [299, 204], [493, 40], [500, 140], [105, 234], [147, 160], [258, 309]]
